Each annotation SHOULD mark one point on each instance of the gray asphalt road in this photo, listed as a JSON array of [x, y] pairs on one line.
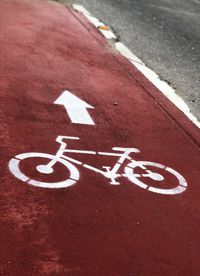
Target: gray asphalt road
[[165, 34]]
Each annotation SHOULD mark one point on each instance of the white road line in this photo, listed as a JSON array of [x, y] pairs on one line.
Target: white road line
[[154, 78], [164, 87], [96, 22]]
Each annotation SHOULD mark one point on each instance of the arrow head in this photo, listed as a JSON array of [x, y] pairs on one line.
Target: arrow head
[[68, 99], [76, 108]]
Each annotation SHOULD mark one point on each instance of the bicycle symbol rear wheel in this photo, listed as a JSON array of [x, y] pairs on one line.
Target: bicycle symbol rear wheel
[[14, 166], [135, 178]]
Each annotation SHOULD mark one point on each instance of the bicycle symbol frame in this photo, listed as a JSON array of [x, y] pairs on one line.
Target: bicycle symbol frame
[[112, 173]]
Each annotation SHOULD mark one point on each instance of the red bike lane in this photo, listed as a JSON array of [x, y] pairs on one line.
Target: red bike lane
[[68, 98]]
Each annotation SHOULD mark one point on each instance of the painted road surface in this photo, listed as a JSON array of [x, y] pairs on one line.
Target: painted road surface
[[99, 172]]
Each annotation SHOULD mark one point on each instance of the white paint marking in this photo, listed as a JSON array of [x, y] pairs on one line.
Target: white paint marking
[[91, 168], [135, 178], [167, 90], [14, 167], [81, 151], [76, 108], [109, 154], [164, 87], [96, 22], [47, 167], [108, 33]]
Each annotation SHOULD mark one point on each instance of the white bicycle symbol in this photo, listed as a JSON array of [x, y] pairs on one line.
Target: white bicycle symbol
[[111, 173]]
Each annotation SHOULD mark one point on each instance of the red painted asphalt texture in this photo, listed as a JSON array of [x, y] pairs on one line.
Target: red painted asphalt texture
[[92, 227]]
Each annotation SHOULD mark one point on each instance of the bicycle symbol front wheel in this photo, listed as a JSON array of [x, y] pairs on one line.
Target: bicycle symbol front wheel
[[136, 178], [14, 166]]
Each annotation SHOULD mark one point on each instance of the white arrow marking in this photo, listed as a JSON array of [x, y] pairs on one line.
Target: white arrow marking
[[76, 108]]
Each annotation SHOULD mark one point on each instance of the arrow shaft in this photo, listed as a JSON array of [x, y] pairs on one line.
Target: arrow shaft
[[79, 116]]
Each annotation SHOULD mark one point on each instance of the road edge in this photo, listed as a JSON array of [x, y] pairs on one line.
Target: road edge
[[153, 77]]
